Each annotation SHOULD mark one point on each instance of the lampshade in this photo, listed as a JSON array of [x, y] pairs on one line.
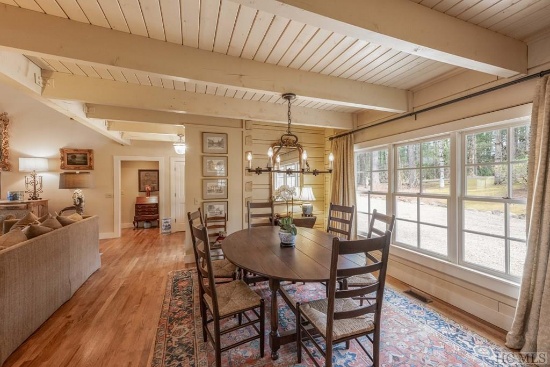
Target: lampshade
[[307, 194], [33, 164], [179, 146], [75, 180]]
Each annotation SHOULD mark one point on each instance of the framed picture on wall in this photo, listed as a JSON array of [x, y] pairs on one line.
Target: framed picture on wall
[[148, 177], [215, 208], [214, 143], [214, 166], [214, 188], [77, 159]]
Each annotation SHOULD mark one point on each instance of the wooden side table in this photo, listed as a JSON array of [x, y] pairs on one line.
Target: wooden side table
[[146, 210], [37, 207]]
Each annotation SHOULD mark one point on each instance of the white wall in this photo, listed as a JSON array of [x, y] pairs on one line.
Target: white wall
[[39, 131]]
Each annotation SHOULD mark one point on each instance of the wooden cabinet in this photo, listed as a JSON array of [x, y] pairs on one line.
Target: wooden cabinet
[[20, 208], [146, 210]]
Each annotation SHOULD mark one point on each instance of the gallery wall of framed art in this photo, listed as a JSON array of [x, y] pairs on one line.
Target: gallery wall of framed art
[[215, 183]]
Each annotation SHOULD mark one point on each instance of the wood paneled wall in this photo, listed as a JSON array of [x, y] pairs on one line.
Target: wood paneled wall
[[258, 137]]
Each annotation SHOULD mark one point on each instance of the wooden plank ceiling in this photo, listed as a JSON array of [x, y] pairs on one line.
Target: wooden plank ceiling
[[340, 57]]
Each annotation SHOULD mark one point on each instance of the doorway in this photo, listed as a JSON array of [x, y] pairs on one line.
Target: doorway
[[163, 196]]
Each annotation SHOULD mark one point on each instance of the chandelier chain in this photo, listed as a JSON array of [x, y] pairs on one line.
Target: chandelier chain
[[289, 116]]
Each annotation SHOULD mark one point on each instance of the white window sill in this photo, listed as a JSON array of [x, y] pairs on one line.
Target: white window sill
[[492, 283]]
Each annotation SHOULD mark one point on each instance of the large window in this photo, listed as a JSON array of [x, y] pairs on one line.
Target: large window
[[460, 197], [494, 200], [372, 184]]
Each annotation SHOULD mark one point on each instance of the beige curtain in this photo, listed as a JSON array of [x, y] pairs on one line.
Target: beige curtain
[[343, 175], [531, 327]]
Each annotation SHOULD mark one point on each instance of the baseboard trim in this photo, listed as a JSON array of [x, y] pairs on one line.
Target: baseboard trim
[[107, 235]]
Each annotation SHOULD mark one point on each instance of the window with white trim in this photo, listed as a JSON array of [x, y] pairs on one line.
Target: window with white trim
[[494, 202], [422, 195], [459, 197]]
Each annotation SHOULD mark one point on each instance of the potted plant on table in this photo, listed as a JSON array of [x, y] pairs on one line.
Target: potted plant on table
[[288, 231]]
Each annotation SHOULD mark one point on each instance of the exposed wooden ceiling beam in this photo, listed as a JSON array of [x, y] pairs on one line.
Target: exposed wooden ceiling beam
[[37, 34], [22, 74], [146, 127], [108, 92], [409, 27], [160, 117]]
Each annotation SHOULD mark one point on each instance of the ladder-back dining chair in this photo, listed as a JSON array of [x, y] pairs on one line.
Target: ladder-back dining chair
[[379, 224], [339, 318], [224, 301], [224, 271], [340, 220], [259, 214], [217, 230]]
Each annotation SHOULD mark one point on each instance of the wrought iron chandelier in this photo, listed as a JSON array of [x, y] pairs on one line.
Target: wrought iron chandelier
[[287, 140]]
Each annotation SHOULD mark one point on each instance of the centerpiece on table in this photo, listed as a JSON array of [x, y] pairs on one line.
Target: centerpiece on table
[[288, 230]]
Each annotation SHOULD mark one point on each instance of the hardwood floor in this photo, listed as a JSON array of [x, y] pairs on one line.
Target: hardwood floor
[[112, 318]]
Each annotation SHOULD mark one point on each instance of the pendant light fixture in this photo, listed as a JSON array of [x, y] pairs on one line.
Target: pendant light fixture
[[179, 146], [287, 140]]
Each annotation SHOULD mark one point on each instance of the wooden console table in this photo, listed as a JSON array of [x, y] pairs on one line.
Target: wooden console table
[[19, 208], [146, 210]]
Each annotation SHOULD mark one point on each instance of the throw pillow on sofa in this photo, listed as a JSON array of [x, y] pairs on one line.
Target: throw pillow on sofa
[[35, 230], [52, 223], [65, 221], [12, 238], [30, 218]]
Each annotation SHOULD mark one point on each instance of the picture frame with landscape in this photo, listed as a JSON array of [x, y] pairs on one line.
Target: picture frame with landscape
[[214, 166], [214, 188], [214, 143], [148, 177], [215, 208], [77, 159]]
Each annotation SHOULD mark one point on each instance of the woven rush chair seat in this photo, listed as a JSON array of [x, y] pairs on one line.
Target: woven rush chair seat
[[223, 268], [233, 297], [361, 280], [316, 312]]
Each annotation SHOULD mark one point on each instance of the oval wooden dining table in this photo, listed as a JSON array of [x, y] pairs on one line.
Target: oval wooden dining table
[[258, 250]]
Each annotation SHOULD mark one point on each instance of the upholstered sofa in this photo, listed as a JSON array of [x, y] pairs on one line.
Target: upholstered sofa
[[40, 274]]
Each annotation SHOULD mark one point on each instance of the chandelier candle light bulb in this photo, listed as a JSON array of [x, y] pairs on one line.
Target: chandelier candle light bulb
[[278, 162], [330, 160], [270, 155], [249, 158]]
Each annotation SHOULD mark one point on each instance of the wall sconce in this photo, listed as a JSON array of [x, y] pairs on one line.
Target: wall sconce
[[33, 183], [179, 146], [77, 181]]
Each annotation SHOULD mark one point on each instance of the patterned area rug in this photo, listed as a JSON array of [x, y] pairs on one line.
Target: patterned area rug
[[412, 334]]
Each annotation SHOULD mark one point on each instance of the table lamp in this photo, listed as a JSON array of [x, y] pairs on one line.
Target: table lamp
[[77, 181], [306, 196], [33, 183]]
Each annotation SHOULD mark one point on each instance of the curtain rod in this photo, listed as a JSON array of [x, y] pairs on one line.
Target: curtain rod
[[443, 104]]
